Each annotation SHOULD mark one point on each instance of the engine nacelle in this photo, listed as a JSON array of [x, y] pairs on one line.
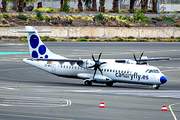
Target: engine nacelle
[[128, 61], [86, 63], [102, 79]]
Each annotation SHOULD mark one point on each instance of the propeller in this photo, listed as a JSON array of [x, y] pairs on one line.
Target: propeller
[[138, 61], [97, 65]]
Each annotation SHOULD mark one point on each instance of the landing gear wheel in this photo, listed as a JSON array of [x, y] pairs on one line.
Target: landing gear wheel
[[88, 83], [156, 87], [109, 84]]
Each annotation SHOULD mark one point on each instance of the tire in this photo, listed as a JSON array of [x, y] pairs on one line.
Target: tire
[[109, 84], [88, 83]]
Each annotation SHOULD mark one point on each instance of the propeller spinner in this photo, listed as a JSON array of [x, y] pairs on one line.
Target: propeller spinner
[[97, 65]]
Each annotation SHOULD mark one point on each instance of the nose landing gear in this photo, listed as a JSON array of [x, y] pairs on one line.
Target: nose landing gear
[[155, 86]]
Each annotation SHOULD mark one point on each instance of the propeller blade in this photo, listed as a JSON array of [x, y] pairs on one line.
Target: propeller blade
[[141, 56], [99, 56], [91, 66], [95, 69], [93, 58], [100, 71], [134, 57], [103, 63]]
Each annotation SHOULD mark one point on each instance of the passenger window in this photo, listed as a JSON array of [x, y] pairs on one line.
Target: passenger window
[[116, 70], [64, 66], [122, 71], [75, 67], [113, 70], [104, 70], [107, 70], [69, 67], [110, 70], [72, 67], [119, 71]]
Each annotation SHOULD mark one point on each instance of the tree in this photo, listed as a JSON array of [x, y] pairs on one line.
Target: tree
[[94, 6], [87, 3], [14, 5], [21, 5], [80, 8], [144, 5], [132, 6], [102, 8], [154, 5], [61, 2], [4, 4], [115, 5]]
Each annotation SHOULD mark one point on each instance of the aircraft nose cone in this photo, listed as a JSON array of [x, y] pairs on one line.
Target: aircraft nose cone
[[163, 79]]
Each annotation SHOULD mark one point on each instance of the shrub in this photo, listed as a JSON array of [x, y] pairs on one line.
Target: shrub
[[13, 15], [131, 37], [39, 15], [97, 24], [120, 39], [111, 11], [47, 38], [149, 10], [82, 39], [22, 16], [127, 25], [65, 7], [52, 10], [100, 16], [140, 16], [85, 24], [168, 19], [23, 39], [7, 25], [87, 9], [6, 15]]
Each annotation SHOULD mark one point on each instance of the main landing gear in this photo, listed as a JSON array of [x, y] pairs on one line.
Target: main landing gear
[[109, 84], [88, 83]]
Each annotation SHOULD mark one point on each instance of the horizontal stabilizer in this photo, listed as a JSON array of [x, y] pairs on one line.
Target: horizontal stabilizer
[[31, 31]]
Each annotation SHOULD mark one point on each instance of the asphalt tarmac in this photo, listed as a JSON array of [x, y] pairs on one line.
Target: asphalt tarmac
[[30, 93]]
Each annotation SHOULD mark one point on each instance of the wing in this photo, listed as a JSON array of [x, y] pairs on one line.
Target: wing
[[155, 59], [61, 61]]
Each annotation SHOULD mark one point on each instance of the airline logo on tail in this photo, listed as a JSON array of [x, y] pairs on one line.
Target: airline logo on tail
[[39, 50]]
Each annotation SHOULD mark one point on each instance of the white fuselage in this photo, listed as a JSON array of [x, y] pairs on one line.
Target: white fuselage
[[113, 72]]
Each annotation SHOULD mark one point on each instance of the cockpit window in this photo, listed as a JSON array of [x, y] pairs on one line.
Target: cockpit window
[[154, 71], [150, 71], [147, 70]]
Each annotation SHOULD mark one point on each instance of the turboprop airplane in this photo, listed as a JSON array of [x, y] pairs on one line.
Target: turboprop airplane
[[105, 71]]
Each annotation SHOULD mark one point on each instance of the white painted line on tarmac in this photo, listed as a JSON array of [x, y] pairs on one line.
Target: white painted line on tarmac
[[172, 110], [8, 88]]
